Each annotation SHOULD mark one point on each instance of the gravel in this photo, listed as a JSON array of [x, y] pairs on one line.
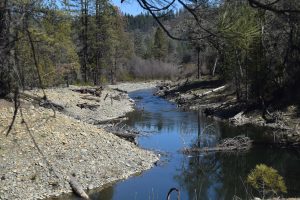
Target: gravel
[[130, 87], [69, 146], [111, 104]]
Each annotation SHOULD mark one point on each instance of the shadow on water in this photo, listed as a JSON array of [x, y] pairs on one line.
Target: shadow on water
[[205, 176]]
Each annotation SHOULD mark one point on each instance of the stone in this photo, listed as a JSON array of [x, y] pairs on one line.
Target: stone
[[70, 138]]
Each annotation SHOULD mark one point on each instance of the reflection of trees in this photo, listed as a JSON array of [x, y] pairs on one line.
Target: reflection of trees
[[164, 121], [217, 175], [221, 176], [254, 132], [136, 117], [208, 132], [198, 176]]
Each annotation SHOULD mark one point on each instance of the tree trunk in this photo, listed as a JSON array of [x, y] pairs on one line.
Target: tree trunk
[[84, 23], [199, 129], [246, 79], [85, 39], [198, 63], [115, 70], [5, 78], [237, 84], [215, 66], [111, 75], [98, 38]]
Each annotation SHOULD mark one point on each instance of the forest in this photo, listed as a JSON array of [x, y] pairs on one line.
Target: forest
[[82, 83], [252, 44]]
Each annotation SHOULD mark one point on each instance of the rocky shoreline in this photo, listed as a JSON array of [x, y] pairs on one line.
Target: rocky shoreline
[[217, 100], [41, 152]]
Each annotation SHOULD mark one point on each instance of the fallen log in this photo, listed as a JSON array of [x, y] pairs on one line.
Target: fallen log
[[117, 97], [105, 96], [93, 91], [109, 121], [119, 90], [123, 131], [51, 105], [91, 98], [218, 89], [238, 143], [42, 102], [87, 106], [127, 136], [77, 188]]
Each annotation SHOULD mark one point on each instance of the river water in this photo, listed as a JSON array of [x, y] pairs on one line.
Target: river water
[[205, 176]]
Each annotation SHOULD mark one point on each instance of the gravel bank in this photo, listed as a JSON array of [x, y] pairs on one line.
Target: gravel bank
[[130, 87], [71, 146], [109, 105]]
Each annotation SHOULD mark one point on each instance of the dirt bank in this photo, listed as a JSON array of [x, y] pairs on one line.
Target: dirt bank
[[66, 146], [218, 100]]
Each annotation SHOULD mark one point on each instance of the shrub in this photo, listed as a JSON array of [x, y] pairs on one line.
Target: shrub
[[266, 180]]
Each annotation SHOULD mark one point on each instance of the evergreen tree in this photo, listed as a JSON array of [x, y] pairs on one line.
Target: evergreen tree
[[139, 47], [160, 48]]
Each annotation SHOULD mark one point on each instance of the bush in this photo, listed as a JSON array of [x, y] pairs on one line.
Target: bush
[[267, 181]]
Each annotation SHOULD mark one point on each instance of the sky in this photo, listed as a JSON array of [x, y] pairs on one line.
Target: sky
[[128, 6]]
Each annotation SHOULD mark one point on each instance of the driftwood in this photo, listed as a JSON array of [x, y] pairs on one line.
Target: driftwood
[[91, 98], [42, 102], [127, 136], [87, 106], [117, 97], [105, 96], [228, 109], [123, 131], [110, 121], [93, 91], [218, 89], [77, 188], [51, 105], [119, 90], [238, 143]]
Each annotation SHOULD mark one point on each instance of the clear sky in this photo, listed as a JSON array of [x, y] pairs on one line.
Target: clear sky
[[129, 6]]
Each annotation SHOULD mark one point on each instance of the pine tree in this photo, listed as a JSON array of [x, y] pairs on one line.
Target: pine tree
[[160, 48]]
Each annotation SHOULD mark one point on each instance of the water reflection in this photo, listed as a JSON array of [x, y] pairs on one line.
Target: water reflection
[[205, 176], [221, 176]]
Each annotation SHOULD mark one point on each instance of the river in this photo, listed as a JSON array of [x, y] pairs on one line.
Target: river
[[205, 176]]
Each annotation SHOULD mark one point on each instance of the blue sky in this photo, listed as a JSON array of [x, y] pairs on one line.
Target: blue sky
[[129, 6]]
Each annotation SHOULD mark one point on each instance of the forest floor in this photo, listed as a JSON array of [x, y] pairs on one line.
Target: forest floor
[[218, 100], [43, 151]]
